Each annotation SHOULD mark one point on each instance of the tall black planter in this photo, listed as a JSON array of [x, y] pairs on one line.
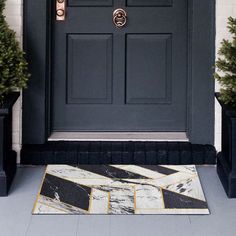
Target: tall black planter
[[7, 155], [226, 160]]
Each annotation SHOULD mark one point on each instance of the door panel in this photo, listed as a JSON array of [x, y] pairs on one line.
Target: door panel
[[149, 3], [78, 3], [148, 66], [81, 78], [132, 78]]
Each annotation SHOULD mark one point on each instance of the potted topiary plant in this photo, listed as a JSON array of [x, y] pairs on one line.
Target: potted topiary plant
[[226, 76], [13, 77]]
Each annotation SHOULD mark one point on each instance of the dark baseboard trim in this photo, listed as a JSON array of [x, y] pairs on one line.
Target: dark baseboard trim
[[227, 176], [95, 152]]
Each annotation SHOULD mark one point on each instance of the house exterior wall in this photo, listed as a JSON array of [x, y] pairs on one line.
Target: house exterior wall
[[14, 13]]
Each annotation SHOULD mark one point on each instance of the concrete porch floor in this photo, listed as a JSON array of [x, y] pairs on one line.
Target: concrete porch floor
[[16, 218]]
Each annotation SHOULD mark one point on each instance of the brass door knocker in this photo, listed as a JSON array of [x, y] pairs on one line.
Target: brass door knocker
[[119, 17]]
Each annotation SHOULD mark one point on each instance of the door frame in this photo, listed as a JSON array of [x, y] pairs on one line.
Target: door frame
[[37, 43]]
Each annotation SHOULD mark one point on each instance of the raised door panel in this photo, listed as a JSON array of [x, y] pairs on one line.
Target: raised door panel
[[90, 3], [89, 66], [148, 68], [150, 3]]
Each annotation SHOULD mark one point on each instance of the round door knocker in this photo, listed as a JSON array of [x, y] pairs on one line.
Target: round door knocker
[[119, 17]]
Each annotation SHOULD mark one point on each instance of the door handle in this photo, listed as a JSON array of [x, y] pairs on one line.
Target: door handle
[[119, 17], [60, 10]]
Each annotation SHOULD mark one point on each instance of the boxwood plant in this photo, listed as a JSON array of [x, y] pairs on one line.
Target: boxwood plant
[[13, 66], [226, 67]]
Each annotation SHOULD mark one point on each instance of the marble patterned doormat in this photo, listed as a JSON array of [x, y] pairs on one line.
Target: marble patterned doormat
[[120, 189]]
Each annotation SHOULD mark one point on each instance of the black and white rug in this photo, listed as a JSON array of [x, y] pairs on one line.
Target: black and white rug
[[120, 189]]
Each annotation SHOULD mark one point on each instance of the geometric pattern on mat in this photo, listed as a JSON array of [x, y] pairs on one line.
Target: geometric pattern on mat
[[121, 189]]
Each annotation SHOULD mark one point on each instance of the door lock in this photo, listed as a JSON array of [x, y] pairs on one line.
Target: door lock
[[60, 10]]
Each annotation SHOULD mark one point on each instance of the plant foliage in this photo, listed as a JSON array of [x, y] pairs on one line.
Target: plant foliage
[[13, 66], [226, 66]]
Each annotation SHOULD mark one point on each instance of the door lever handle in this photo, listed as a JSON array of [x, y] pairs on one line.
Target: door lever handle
[[60, 10]]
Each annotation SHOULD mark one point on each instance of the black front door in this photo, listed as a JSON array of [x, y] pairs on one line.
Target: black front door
[[129, 78]]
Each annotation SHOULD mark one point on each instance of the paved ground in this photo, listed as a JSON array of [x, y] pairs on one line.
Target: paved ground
[[16, 218]]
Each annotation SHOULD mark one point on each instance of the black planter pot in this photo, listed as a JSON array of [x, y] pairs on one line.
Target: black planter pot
[[7, 155], [226, 159]]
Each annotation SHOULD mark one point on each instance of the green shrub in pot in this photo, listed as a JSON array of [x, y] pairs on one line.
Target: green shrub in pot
[[226, 75], [13, 77]]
